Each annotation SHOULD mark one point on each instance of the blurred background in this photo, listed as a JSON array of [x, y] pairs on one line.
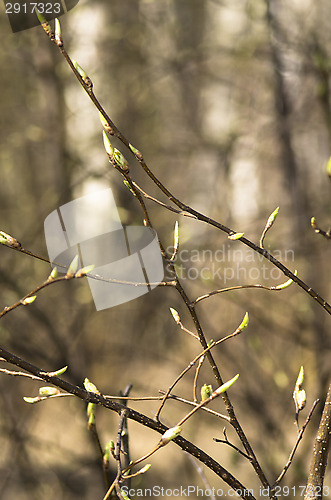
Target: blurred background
[[230, 103]]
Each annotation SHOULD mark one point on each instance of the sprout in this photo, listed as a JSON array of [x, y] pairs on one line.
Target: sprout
[[58, 34], [28, 300], [73, 267], [53, 274], [176, 237], [120, 160], [235, 236], [90, 387], [244, 323], [48, 391], [84, 271], [175, 315], [272, 218], [227, 385], [287, 283], [6, 239], [170, 434], [206, 391], [107, 144]]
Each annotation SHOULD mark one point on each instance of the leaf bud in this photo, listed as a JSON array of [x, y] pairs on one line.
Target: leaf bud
[[48, 391], [170, 434], [206, 391], [175, 315], [9, 241], [73, 267], [28, 300], [235, 236], [244, 323], [120, 160]]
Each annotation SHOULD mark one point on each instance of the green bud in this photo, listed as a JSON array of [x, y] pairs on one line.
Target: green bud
[[28, 300], [244, 323], [144, 469], [73, 267], [120, 160], [107, 144], [170, 434], [136, 152], [272, 218], [6, 239], [53, 274], [90, 387], [58, 34], [84, 271], [48, 391], [58, 372], [301, 399], [44, 23], [206, 392], [103, 120], [176, 236], [175, 315], [129, 187], [227, 385], [313, 223], [79, 70], [133, 149], [41, 17], [299, 394], [235, 236], [86, 79], [287, 283], [300, 378], [31, 400]]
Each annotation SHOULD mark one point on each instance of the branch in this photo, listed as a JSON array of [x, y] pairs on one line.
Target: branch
[[111, 128], [315, 482], [131, 414]]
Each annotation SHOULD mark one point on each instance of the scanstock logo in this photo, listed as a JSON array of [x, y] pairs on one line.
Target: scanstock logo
[[127, 259], [22, 13]]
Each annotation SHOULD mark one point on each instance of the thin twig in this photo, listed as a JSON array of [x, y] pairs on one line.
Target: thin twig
[[19, 374], [318, 230], [236, 287], [226, 441], [300, 435], [190, 365], [125, 436], [115, 483], [192, 403], [201, 473], [180, 376], [164, 205], [196, 376], [91, 275], [113, 130]]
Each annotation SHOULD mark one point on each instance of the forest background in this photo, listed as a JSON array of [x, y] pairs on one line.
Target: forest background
[[230, 103]]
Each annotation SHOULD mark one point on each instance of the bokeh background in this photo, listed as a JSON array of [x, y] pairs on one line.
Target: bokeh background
[[230, 103]]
